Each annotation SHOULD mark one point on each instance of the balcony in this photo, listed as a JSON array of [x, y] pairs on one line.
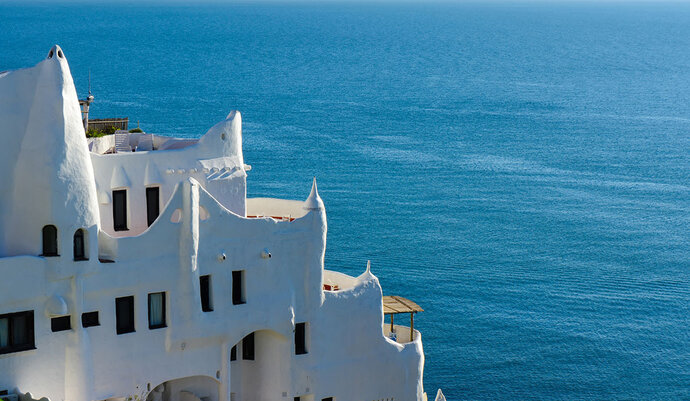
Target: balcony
[[400, 334], [396, 305]]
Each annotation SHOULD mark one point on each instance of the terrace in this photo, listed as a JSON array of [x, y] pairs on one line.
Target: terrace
[[394, 305]]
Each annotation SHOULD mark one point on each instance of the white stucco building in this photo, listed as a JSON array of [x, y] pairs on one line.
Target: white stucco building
[[135, 265]]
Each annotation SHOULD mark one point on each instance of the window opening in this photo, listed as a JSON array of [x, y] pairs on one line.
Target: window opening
[[90, 319], [50, 244], [238, 288], [248, 347], [120, 210], [17, 332], [157, 310], [152, 204], [300, 338], [79, 245], [124, 311], [206, 293], [61, 323]]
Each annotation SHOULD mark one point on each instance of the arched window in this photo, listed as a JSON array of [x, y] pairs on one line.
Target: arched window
[[79, 245], [50, 244]]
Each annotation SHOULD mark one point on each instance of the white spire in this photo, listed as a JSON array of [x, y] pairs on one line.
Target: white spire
[[313, 202], [47, 172]]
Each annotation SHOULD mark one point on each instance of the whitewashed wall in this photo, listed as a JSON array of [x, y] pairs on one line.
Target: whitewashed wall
[[348, 358]]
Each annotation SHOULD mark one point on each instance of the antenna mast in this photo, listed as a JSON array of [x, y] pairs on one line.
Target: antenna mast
[[85, 103]]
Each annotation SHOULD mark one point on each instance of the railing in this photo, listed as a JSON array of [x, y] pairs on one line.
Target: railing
[[101, 124]]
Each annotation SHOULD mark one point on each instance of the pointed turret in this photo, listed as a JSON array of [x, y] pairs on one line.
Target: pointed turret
[[226, 136], [367, 275], [313, 201], [47, 176]]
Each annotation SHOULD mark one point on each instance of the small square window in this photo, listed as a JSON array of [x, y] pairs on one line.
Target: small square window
[[61, 323], [90, 319]]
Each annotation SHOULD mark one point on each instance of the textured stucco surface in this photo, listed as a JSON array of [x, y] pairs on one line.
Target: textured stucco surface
[[203, 229]]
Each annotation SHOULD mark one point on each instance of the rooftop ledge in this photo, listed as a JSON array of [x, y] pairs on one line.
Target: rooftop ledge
[[336, 281], [284, 209], [279, 209], [128, 142]]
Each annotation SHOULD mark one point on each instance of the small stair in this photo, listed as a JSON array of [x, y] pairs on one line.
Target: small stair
[[122, 141]]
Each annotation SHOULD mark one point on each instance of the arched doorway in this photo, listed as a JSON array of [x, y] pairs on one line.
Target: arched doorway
[[259, 367], [192, 388]]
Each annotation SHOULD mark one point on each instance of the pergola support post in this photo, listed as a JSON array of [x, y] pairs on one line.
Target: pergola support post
[[412, 326]]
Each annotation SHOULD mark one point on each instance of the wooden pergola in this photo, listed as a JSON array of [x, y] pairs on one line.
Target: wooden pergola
[[393, 305]]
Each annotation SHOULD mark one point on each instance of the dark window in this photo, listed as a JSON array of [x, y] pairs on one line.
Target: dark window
[[157, 310], [297, 398], [124, 312], [238, 287], [152, 204], [248, 347], [328, 399], [90, 319], [17, 332], [206, 293], [120, 210], [300, 338], [61, 323], [233, 353], [50, 244], [79, 245]]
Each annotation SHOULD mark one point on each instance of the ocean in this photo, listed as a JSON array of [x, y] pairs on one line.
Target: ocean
[[520, 170]]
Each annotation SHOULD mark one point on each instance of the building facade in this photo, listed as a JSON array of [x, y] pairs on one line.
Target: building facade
[[149, 274]]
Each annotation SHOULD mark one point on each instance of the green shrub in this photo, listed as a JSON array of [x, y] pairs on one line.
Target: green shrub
[[110, 130], [137, 129], [94, 133]]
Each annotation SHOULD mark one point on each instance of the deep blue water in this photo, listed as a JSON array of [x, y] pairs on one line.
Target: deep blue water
[[522, 171]]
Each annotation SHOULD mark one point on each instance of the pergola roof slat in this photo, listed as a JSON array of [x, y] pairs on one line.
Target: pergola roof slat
[[393, 304]]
